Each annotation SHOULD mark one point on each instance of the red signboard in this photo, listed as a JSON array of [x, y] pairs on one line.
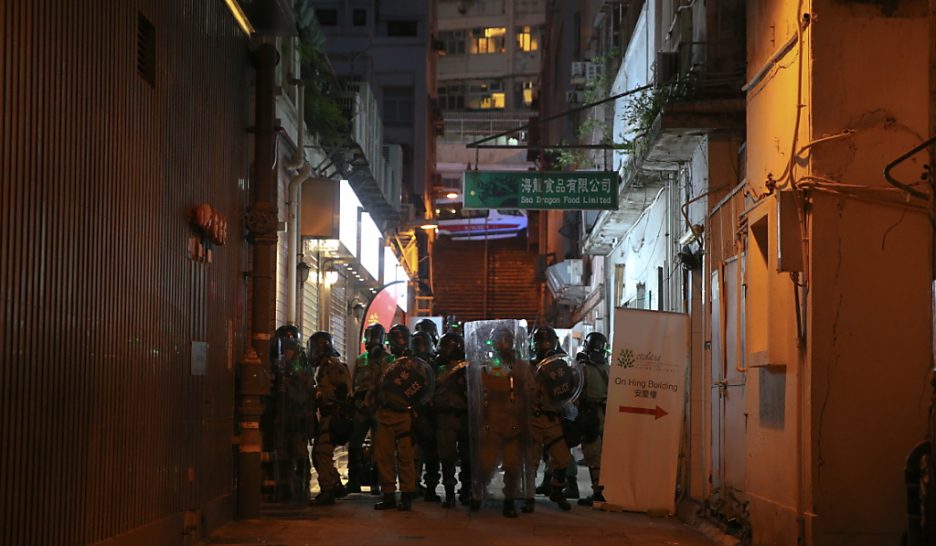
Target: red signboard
[[382, 310]]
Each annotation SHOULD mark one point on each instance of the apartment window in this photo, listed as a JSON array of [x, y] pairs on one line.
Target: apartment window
[[524, 93], [488, 40], [398, 105], [327, 17], [487, 95], [359, 17], [527, 38], [402, 28], [454, 42], [452, 97]]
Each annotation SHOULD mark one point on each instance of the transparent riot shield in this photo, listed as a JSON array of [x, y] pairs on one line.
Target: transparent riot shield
[[499, 383], [407, 383]]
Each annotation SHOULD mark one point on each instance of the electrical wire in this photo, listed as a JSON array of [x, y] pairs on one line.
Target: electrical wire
[[787, 175], [871, 199]]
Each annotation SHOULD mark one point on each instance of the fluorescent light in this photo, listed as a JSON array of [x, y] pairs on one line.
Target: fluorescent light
[[429, 227], [371, 246], [348, 217], [451, 195], [240, 17]]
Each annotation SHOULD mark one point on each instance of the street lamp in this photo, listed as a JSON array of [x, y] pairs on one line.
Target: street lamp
[[302, 272]]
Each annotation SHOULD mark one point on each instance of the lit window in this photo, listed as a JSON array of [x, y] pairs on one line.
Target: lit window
[[486, 95], [524, 92], [494, 100], [527, 40], [488, 40]]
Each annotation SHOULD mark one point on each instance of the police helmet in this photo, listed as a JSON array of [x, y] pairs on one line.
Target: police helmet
[[545, 341], [375, 336], [428, 326], [451, 348], [422, 344], [282, 336], [321, 345], [596, 347], [399, 339], [502, 339]]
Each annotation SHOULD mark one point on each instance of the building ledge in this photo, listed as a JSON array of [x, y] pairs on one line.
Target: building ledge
[[672, 139], [680, 127]]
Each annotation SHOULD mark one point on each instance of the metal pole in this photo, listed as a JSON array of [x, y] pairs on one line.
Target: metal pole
[[261, 221], [484, 303]]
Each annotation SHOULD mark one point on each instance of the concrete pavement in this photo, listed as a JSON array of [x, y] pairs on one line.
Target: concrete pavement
[[353, 521]]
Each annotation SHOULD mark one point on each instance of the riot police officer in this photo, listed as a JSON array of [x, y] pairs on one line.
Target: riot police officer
[[594, 358], [544, 343], [332, 386], [423, 347], [550, 389], [393, 444], [427, 326], [498, 389], [294, 415], [451, 408], [368, 368]]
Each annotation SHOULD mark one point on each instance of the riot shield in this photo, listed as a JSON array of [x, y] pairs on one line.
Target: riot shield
[[560, 379], [499, 382], [407, 383]]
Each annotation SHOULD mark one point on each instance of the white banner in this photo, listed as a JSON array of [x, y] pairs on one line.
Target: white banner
[[644, 416]]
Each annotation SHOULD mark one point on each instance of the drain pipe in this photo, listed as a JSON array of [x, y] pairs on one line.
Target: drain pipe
[[261, 221], [292, 207]]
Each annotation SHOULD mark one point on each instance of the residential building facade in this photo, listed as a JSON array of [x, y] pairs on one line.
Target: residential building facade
[[754, 198]]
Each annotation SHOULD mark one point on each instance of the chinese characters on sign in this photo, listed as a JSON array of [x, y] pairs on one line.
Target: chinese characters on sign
[[541, 190]]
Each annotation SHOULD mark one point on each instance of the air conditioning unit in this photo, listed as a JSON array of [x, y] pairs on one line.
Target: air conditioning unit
[[593, 71], [586, 71], [564, 281], [575, 97]]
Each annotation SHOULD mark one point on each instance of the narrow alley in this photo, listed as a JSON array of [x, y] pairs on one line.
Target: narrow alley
[[320, 272]]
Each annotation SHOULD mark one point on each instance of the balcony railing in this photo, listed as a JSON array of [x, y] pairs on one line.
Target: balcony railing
[[385, 163], [471, 126]]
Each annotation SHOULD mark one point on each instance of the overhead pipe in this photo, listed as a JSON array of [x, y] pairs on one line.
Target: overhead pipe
[[303, 173]]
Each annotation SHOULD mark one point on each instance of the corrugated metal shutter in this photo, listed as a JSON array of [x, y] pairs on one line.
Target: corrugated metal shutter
[[339, 307], [310, 297], [103, 150]]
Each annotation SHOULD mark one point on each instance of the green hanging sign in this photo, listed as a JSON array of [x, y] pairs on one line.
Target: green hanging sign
[[582, 190]]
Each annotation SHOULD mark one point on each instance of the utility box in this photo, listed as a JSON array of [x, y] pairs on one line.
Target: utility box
[[789, 234]]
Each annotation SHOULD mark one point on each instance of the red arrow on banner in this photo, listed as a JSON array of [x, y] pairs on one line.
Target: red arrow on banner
[[657, 413]]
